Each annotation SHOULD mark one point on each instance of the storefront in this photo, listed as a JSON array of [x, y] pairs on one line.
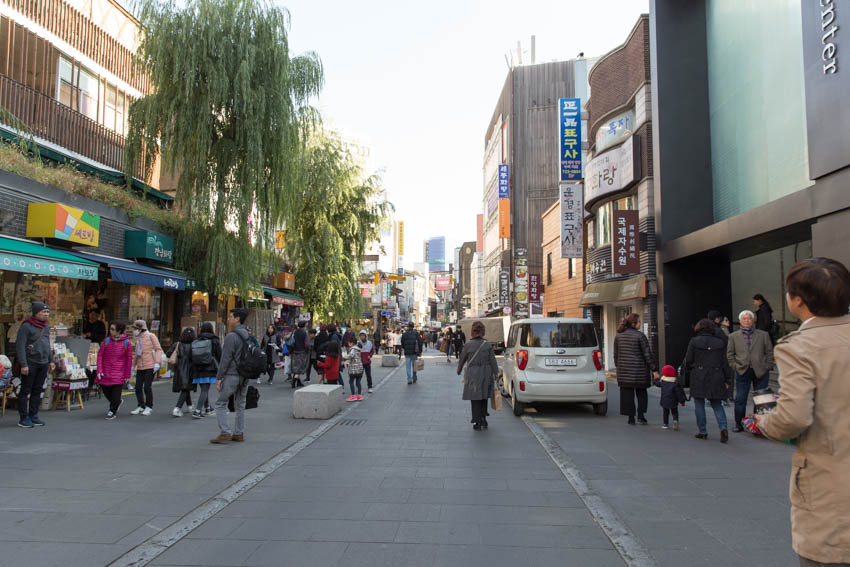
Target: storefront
[[287, 306]]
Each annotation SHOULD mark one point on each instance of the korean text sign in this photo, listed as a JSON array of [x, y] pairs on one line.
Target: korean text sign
[[625, 243], [534, 287], [572, 242], [504, 181], [569, 142]]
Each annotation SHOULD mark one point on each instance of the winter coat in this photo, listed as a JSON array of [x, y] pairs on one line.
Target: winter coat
[[151, 351], [411, 342], [208, 370], [480, 375], [633, 359], [268, 345], [319, 342], [355, 364], [669, 400], [28, 334], [704, 368], [302, 341], [813, 398], [231, 350], [114, 361], [331, 366], [366, 352], [183, 370], [759, 356], [460, 340], [764, 318]]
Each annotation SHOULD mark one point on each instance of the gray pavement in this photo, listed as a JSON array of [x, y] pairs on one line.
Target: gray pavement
[[400, 480]]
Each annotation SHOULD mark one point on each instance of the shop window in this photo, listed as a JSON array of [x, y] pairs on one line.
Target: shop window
[[144, 304], [604, 218], [88, 93]]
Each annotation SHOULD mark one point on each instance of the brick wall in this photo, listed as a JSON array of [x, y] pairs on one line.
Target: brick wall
[[617, 76], [564, 293]]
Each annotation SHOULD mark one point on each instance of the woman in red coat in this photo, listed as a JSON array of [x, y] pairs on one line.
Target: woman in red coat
[[331, 363], [114, 362]]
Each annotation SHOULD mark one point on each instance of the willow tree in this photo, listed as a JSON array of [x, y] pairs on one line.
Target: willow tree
[[229, 112], [339, 212]]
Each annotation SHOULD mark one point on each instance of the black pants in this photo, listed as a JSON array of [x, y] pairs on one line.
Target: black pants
[[367, 368], [667, 412], [310, 368], [627, 401], [479, 410], [144, 390], [184, 398], [113, 396], [32, 385]]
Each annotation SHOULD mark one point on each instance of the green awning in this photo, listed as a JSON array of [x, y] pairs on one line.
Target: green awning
[[32, 258], [283, 298]]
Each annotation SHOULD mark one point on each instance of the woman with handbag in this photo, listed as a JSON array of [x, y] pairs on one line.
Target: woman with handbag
[[479, 379], [183, 372]]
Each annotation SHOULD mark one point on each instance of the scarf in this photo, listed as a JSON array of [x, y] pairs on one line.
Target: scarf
[[36, 323], [748, 335]]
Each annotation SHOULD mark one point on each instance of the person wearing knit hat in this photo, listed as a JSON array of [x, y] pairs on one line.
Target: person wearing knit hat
[[34, 356], [669, 397]]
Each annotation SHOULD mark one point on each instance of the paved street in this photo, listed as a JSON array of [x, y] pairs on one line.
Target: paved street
[[402, 479]]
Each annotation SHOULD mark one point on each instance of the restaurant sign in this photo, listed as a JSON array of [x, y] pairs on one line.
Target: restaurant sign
[[148, 245], [54, 220]]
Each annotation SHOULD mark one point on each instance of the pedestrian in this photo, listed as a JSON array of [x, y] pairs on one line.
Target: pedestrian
[[721, 322], [448, 344], [33, 353], [411, 343], [634, 364], [812, 407], [184, 373], [206, 357], [355, 371], [148, 359], [721, 331], [300, 354], [669, 397], [331, 362], [271, 345], [460, 340], [94, 329], [314, 356], [479, 377], [397, 343], [764, 315], [228, 380], [704, 370], [367, 351], [114, 365], [750, 355]]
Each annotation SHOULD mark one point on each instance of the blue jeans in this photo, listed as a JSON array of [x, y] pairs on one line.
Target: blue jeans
[[409, 360], [719, 413], [742, 390]]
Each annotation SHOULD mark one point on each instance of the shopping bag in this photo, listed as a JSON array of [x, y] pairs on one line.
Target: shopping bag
[[418, 365], [444, 346], [496, 401]]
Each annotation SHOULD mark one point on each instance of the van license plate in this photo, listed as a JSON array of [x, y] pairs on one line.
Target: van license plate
[[561, 362]]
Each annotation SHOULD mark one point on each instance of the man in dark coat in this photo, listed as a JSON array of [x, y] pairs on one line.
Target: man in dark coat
[[33, 353], [411, 343], [705, 371]]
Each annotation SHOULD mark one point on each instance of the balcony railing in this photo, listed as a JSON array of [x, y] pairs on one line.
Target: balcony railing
[[46, 118]]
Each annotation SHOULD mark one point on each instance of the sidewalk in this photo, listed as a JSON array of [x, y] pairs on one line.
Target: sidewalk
[[404, 480]]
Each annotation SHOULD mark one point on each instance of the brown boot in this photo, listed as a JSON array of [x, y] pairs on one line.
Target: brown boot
[[222, 438], [239, 437]]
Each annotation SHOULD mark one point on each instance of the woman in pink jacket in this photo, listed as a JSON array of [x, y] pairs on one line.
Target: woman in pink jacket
[[114, 361]]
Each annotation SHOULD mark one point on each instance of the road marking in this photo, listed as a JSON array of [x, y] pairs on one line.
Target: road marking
[[627, 544], [156, 545]]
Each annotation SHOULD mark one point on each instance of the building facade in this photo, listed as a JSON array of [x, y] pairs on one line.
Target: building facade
[[562, 283], [751, 154]]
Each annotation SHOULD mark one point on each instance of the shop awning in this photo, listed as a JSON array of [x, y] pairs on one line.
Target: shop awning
[[283, 298], [610, 292], [32, 258], [126, 271]]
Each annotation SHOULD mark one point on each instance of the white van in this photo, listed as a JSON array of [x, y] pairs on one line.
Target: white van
[[554, 360]]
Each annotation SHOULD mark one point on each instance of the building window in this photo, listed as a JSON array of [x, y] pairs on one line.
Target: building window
[[88, 94], [604, 217], [549, 268]]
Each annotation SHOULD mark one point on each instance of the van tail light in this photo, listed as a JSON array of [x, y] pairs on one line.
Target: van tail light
[[522, 385], [522, 359], [597, 359], [601, 386]]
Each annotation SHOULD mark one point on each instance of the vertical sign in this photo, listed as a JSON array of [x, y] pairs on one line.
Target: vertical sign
[[521, 284], [569, 133], [504, 181], [401, 238], [534, 288], [504, 218], [625, 243], [505, 287], [571, 220]]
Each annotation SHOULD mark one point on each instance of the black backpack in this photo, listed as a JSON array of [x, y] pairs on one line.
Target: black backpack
[[252, 360], [252, 397], [202, 352]]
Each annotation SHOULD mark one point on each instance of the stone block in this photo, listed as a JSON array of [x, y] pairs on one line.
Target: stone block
[[319, 401], [389, 360]]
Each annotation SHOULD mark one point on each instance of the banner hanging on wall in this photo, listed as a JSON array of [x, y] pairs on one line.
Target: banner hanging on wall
[[572, 242]]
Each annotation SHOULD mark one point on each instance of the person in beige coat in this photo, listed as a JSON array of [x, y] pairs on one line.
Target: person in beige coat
[[814, 379], [750, 356]]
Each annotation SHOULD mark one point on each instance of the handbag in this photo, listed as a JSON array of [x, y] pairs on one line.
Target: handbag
[[172, 360]]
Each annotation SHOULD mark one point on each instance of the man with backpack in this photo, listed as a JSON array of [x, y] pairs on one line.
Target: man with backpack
[[241, 360]]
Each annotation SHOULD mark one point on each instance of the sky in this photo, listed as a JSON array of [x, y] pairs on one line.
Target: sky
[[417, 83]]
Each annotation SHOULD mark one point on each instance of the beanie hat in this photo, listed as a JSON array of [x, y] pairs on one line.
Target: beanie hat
[[38, 307], [668, 371]]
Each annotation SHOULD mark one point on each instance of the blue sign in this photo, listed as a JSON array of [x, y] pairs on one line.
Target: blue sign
[[387, 313], [569, 142], [401, 271], [588, 313], [504, 181]]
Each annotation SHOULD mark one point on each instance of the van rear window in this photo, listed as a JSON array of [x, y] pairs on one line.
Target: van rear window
[[552, 335]]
